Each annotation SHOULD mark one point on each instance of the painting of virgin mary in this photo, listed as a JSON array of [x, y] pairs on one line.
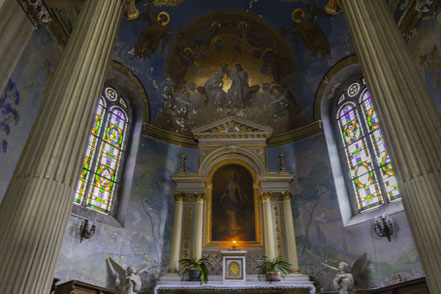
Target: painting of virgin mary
[[233, 204]]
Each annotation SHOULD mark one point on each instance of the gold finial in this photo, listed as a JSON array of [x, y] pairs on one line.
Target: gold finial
[[183, 158], [282, 161]]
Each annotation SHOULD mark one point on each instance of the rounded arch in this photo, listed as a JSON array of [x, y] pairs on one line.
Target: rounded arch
[[232, 154]]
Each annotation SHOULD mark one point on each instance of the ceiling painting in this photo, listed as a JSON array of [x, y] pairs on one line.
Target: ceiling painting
[[202, 61]]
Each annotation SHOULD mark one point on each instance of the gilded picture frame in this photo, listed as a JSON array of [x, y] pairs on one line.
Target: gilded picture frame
[[216, 199]]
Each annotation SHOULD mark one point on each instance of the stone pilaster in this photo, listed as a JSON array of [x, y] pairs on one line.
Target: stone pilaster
[[176, 234], [16, 30], [268, 225], [291, 246], [199, 225], [38, 201], [409, 119]]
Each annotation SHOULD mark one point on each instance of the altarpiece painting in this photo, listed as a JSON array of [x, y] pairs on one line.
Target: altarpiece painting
[[233, 215]]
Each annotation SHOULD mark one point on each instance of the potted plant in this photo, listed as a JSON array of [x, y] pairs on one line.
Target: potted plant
[[196, 268], [272, 268]]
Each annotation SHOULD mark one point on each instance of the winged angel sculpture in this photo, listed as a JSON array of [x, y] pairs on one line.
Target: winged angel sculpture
[[127, 280], [345, 278]]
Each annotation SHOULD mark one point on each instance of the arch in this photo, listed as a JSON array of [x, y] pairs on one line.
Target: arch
[[229, 153]]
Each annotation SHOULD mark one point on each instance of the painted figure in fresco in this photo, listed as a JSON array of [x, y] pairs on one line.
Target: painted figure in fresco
[[344, 280], [128, 280], [204, 38], [231, 199], [278, 65], [158, 30], [305, 29], [186, 60], [243, 30], [215, 95], [240, 91]]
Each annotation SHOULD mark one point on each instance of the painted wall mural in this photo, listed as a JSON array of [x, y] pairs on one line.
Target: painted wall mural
[[21, 99], [259, 60], [144, 241], [320, 234]]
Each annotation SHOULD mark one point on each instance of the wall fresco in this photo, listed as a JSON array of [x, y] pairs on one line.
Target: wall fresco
[[320, 234]]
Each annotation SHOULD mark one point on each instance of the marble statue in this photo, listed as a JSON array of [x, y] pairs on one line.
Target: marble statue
[[344, 280], [127, 280]]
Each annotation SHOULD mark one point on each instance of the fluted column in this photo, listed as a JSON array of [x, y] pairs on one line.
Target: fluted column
[[268, 225], [176, 233], [290, 236], [38, 201], [410, 121], [16, 30], [198, 225]]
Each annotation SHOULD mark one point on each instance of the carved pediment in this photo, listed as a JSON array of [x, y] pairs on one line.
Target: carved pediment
[[232, 127]]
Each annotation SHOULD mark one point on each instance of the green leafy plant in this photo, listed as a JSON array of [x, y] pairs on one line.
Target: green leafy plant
[[271, 265], [198, 264]]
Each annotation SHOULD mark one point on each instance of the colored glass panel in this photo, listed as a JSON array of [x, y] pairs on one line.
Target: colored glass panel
[[358, 157], [99, 114], [110, 94], [115, 131], [353, 89], [100, 199], [367, 190], [350, 127]]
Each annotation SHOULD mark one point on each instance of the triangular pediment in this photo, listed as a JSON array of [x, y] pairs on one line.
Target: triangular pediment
[[232, 127]]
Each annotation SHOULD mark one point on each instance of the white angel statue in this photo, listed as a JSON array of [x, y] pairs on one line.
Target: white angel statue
[[128, 280], [345, 278]]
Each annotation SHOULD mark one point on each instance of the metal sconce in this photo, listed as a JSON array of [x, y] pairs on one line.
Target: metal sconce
[[85, 233], [383, 227]]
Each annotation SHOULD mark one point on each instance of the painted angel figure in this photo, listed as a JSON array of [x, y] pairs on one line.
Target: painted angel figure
[[344, 280], [127, 280]]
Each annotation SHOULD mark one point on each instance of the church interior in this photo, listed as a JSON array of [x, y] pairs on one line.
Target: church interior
[[141, 140]]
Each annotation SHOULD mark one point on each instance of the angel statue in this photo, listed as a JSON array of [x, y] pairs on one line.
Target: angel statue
[[344, 280], [128, 280]]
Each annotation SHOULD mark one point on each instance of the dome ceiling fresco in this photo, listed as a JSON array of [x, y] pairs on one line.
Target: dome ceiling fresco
[[201, 61]]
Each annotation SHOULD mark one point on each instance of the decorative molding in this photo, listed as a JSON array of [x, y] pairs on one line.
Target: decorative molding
[[286, 195], [199, 196], [232, 128], [36, 11], [295, 135], [187, 231], [266, 196], [168, 137], [179, 196], [279, 231]]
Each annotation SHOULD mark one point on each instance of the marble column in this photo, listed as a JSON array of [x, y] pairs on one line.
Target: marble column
[[198, 225], [268, 225], [16, 30], [38, 201], [410, 122], [176, 233], [290, 235]]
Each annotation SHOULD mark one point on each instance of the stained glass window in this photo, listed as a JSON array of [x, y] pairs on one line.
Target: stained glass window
[[368, 163], [99, 177]]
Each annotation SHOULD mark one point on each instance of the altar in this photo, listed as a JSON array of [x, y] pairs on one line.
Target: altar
[[233, 211]]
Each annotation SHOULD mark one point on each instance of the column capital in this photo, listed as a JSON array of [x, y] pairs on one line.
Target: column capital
[[179, 196], [199, 196], [286, 195], [332, 7], [265, 196], [36, 11]]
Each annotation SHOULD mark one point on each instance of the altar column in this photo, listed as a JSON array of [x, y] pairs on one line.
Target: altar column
[[409, 119], [291, 250], [38, 202], [176, 241], [268, 225], [16, 31], [199, 225]]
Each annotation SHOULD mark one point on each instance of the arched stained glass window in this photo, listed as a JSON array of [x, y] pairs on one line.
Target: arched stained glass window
[[99, 178], [368, 164]]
